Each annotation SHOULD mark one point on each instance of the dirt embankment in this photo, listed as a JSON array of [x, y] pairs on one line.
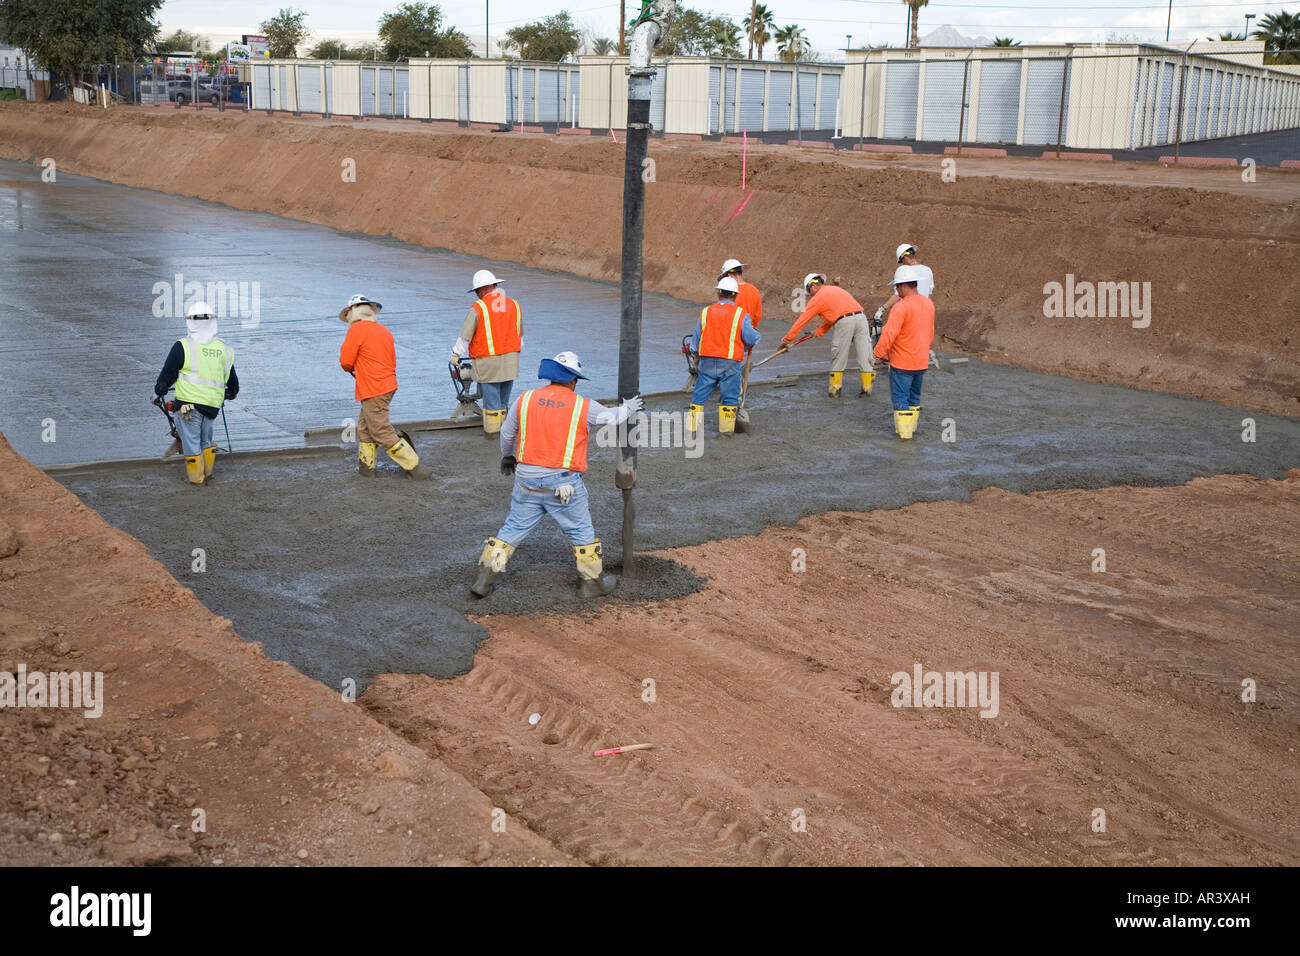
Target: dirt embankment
[[1120, 691], [283, 770], [1224, 271]]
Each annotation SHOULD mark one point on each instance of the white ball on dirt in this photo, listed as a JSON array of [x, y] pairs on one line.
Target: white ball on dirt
[[534, 719]]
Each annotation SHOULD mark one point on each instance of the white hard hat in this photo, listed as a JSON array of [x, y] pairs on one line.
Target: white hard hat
[[906, 274], [903, 250], [199, 310], [808, 279], [570, 361], [484, 277], [728, 284], [360, 299], [729, 265]]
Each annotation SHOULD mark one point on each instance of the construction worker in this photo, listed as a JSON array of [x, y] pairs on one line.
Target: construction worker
[[748, 298], [723, 337], [369, 356], [492, 335], [905, 342], [544, 445], [905, 254], [202, 367], [839, 311]]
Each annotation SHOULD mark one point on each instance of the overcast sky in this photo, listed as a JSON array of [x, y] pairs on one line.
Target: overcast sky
[[825, 21]]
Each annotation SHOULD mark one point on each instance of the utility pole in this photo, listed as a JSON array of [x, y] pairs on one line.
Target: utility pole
[[1169, 20], [640, 81], [622, 25]]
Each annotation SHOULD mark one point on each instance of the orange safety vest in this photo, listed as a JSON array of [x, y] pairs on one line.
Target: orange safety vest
[[553, 428], [720, 326], [500, 326]]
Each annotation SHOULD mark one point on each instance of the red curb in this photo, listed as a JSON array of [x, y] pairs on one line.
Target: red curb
[[529, 129], [1291, 164], [974, 151], [734, 139], [573, 131], [881, 148], [484, 125], [691, 137], [1102, 157], [1200, 160], [811, 144]]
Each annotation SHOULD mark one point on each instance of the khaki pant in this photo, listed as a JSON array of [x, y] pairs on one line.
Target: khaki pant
[[852, 330], [372, 424]]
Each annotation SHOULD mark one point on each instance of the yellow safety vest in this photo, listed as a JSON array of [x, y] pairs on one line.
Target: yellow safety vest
[[203, 377]]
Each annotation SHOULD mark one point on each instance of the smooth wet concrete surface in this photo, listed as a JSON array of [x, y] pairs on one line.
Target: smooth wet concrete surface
[[349, 577], [81, 346]]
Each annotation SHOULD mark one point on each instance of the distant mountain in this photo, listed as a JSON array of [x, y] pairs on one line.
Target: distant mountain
[[948, 36]]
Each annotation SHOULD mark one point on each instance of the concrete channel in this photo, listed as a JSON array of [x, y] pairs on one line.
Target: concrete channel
[[345, 577]]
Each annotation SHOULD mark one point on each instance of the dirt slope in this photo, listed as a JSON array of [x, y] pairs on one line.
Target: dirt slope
[[1118, 690], [1224, 270], [284, 770]]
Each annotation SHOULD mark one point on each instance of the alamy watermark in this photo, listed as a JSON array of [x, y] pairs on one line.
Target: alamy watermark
[[1098, 300], [82, 690], [946, 689], [653, 430], [228, 300]]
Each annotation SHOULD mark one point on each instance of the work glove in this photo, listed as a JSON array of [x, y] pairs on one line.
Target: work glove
[[880, 313], [185, 411], [508, 465], [454, 360], [564, 493], [633, 405]]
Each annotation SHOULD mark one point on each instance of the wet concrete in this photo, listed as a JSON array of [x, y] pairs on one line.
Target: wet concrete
[[80, 344], [345, 577]]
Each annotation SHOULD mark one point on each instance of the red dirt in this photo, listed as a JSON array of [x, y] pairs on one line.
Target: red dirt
[[1224, 269]]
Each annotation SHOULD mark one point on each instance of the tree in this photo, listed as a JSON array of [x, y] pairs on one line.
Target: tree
[[68, 36], [1280, 32], [791, 43], [602, 46], [758, 27], [284, 32], [1005, 41], [338, 50], [550, 40], [181, 40], [415, 29], [691, 33], [916, 6], [1228, 35]]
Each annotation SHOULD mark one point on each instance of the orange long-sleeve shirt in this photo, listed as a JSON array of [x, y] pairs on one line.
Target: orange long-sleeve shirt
[[831, 303], [749, 300], [368, 352], [908, 333]]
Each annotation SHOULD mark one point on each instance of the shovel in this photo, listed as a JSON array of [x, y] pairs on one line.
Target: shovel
[[945, 364], [785, 347], [742, 413]]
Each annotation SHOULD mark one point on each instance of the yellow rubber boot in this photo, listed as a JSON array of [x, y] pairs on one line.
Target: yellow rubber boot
[[837, 383], [493, 419], [896, 414], [405, 455], [917, 410], [496, 553], [726, 419], [694, 415], [593, 582], [194, 469], [906, 424], [209, 459], [867, 379], [367, 458]]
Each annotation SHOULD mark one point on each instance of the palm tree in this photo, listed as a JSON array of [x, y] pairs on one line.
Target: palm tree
[[916, 6], [1005, 41], [1280, 32], [602, 46], [1228, 35], [791, 43], [759, 26]]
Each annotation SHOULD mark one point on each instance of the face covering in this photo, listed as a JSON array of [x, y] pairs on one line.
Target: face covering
[[202, 331]]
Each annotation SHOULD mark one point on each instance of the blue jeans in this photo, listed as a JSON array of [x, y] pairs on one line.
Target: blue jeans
[[905, 388], [535, 497], [196, 434], [720, 373], [496, 395]]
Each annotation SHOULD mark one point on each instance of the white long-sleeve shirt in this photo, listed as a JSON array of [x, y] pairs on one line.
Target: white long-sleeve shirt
[[597, 416]]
